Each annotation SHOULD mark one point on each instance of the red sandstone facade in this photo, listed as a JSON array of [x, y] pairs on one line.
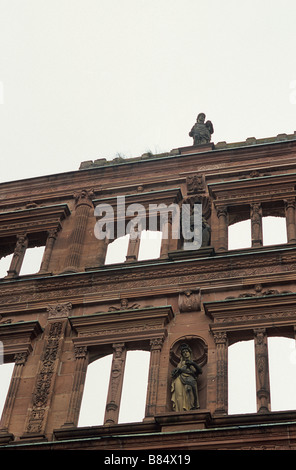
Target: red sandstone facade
[[54, 323]]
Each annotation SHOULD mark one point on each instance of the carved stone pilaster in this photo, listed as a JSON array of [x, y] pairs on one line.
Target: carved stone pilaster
[[262, 371], [220, 339], [18, 255], [155, 350], [20, 360], [82, 210], [256, 224], [51, 238], [290, 220], [45, 380], [133, 246], [115, 384], [81, 356], [223, 228]]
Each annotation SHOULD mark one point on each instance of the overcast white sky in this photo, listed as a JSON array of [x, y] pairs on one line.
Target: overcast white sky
[[87, 79]]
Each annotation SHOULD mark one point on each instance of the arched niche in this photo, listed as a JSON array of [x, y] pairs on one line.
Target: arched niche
[[199, 350]]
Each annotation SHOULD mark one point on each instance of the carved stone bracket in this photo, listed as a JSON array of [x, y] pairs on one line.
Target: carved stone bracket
[[195, 183], [189, 300], [59, 310]]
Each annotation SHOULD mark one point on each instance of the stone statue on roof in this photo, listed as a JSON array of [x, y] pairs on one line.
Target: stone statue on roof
[[201, 131]]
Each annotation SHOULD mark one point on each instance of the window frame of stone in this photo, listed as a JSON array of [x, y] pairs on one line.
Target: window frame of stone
[[252, 316], [103, 333]]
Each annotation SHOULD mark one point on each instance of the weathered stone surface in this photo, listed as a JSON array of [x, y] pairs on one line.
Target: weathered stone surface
[[76, 308]]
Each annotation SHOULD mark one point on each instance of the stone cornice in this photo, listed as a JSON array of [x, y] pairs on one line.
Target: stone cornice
[[18, 337], [136, 171], [259, 189], [249, 313], [132, 325], [34, 219]]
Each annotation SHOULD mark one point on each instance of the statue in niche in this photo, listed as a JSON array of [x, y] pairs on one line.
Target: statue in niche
[[206, 231], [201, 131], [184, 382]]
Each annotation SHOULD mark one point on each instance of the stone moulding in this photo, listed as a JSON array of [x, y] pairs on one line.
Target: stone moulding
[[17, 337], [259, 189], [32, 220], [143, 324], [252, 312]]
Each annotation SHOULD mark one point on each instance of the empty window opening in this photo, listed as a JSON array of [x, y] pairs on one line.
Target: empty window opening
[[6, 371], [5, 264], [239, 235], [117, 250], [282, 373], [92, 410], [32, 260], [133, 398], [274, 230], [150, 245], [241, 378]]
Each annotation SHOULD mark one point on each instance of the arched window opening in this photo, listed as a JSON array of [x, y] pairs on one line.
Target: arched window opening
[[92, 410], [150, 245], [32, 260], [5, 264], [274, 230], [239, 235], [282, 373], [133, 398], [6, 371], [241, 378], [117, 250]]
